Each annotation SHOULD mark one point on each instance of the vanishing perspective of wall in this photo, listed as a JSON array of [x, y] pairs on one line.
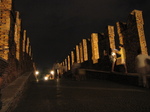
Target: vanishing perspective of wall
[[94, 52]]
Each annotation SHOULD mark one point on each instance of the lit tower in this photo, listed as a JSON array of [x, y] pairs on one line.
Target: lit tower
[[6, 29]]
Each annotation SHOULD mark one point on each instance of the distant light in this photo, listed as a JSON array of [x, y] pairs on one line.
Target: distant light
[[37, 80], [45, 78], [52, 72], [57, 80], [37, 72]]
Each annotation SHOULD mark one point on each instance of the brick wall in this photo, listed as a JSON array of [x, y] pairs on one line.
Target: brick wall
[[131, 34]]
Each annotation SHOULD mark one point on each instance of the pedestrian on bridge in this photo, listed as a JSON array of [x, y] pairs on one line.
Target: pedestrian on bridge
[[122, 57], [142, 62], [113, 58], [75, 70]]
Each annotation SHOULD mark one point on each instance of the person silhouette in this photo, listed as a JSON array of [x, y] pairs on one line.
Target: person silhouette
[[122, 54], [142, 68]]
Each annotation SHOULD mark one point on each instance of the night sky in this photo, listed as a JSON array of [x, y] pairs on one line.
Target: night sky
[[56, 26]]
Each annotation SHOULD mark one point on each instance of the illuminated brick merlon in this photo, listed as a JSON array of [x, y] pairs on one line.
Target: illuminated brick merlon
[[30, 51], [81, 52], [85, 51], [140, 23], [24, 40], [27, 45], [17, 35], [111, 35], [95, 48], [6, 4], [65, 63], [118, 24], [5, 28], [72, 57], [68, 60], [77, 54]]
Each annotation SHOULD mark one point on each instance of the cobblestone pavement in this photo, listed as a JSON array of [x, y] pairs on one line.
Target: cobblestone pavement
[[84, 96]]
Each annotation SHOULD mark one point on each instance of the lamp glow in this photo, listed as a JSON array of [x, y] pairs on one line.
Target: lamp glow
[[45, 78], [36, 72], [52, 72]]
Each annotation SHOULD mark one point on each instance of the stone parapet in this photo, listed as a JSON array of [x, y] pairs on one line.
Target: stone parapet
[[12, 94]]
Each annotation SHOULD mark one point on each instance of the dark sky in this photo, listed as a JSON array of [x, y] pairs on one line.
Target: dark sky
[[56, 26]]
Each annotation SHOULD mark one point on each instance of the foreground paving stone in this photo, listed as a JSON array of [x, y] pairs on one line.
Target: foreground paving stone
[[84, 96]]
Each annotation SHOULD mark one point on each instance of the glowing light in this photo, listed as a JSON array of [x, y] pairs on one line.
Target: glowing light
[[113, 54], [57, 80], [45, 78], [36, 72], [52, 72], [37, 80]]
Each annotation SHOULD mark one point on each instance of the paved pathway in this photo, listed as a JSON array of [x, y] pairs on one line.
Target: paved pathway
[[84, 96]]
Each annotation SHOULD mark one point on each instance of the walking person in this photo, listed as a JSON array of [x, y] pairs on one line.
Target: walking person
[[113, 58], [122, 54], [142, 68], [75, 70]]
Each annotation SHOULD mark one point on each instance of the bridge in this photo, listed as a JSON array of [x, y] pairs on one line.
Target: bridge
[[98, 92], [103, 90]]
